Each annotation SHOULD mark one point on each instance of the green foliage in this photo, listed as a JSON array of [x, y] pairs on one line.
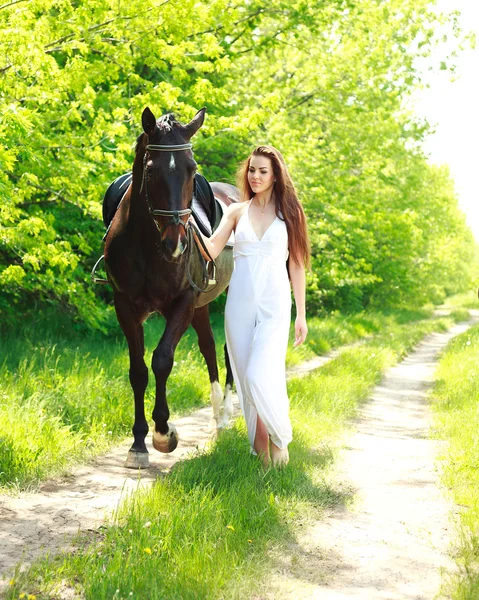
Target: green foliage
[[465, 300], [324, 81]]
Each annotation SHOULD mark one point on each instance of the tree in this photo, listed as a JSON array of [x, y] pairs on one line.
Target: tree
[[324, 81]]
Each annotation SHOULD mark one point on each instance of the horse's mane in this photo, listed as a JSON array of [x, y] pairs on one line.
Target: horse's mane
[[165, 123]]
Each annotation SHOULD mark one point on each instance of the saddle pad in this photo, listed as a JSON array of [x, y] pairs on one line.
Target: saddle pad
[[222, 206], [200, 215]]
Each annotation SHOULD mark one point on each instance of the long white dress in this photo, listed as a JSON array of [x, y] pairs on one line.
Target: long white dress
[[257, 320]]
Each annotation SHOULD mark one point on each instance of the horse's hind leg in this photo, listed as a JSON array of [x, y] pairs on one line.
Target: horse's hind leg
[[132, 327], [206, 342], [228, 406], [228, 401]]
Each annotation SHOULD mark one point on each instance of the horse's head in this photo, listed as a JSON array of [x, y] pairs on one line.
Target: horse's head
[[168, 176]]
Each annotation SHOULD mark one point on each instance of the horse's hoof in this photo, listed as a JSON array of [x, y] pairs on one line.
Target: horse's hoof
[[213, 434], [165, 442], [213, 425], [228, 405], [222, 423], [137, 460]]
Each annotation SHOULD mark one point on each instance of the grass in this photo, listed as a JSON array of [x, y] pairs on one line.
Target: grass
[[456, 405], [211, 528], [65, 396], [337, 330], [464, 300]]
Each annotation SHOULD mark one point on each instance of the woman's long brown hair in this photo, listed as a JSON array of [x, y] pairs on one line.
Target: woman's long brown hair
[[286, 200]]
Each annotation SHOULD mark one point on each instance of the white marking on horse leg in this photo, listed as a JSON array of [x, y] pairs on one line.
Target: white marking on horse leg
[[216, 398], [228, 405], [165, 442], [172, 162]]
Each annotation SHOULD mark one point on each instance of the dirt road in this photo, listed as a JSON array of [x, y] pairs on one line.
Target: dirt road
[[393, 542], [390, 545]]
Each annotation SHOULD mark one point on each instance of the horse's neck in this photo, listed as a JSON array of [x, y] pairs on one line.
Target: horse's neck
[[138, 213]]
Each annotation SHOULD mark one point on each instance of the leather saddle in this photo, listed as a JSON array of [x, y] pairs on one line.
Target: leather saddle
[[206, 209]]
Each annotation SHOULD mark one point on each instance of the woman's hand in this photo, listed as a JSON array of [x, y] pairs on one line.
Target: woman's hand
[[301, 331], [217, 241]]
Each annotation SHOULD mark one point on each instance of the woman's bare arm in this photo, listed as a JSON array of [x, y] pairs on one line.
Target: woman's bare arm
[[298, 283], [217, 241]]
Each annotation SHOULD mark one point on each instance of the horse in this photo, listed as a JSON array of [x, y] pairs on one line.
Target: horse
[[155, 266]]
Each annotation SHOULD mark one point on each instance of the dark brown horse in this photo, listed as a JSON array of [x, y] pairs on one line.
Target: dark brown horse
[[155, 266]]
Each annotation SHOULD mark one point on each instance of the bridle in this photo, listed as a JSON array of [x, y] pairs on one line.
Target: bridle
[[176, 220], [176, 215]]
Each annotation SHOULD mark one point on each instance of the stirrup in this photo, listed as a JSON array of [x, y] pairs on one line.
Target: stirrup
[[211, 268], [96, 279]]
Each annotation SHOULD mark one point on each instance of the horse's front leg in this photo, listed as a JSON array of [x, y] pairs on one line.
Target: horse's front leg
[[131, 324], [165, 437], [206, 342]]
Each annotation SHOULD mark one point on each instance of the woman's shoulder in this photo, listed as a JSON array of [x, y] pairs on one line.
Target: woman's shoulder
[[238, 206], [236, 209]]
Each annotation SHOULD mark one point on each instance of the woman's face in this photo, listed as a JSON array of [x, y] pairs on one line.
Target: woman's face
[[260, 174]]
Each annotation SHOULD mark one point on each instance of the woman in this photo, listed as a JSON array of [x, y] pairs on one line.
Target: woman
[[269, 226]]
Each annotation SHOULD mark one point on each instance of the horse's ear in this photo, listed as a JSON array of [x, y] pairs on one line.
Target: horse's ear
[[148, 121], [195, 123]]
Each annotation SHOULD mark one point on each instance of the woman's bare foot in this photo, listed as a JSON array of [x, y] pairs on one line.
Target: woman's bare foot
[[264, 458], [261, 443], [279, 456]]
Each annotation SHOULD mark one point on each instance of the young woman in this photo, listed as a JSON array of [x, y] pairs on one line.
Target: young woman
[[271, 242]]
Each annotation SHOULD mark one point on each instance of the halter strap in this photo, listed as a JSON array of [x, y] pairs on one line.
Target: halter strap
[[176, 214], [165, 148]]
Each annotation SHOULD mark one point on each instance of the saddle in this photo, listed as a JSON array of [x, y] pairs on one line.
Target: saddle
[[206, 209]]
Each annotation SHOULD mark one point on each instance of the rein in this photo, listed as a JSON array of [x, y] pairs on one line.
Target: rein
[[176, 220], [192, 228]]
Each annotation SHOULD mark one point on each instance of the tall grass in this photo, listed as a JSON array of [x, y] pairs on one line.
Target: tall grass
[[456, 404], [65, 394], [211, 528]]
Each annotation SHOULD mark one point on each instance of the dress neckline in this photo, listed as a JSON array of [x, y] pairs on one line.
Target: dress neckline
[[251, 224]]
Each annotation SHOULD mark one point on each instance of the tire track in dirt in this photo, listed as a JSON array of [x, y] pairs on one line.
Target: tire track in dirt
[[393, 543]]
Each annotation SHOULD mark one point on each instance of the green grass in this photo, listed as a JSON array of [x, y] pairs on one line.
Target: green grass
[[65, 395], [456, 404], [459, 314], [464, 300], [336, 330], [212, 527]]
